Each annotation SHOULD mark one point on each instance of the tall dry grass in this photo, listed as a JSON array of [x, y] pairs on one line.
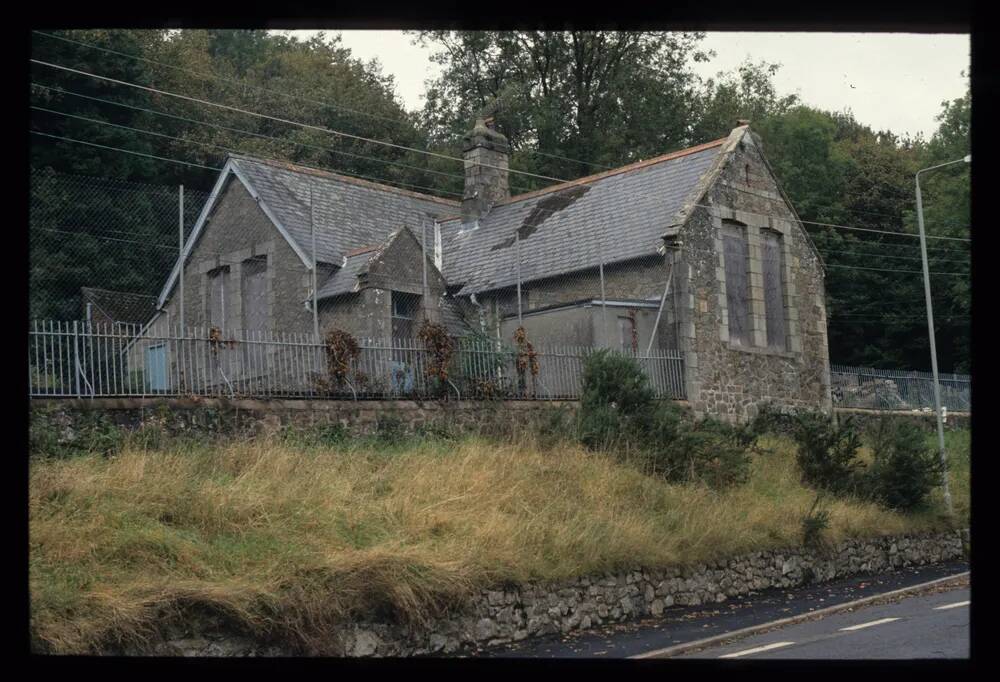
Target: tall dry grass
[[285, 541]]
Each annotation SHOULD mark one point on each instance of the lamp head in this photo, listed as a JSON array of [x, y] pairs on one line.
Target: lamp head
[[968, 158]]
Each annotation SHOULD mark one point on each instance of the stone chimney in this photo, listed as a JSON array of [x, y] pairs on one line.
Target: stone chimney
[[486, 154]]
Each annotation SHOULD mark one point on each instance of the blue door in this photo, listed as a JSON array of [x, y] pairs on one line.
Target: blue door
[[156, 367]]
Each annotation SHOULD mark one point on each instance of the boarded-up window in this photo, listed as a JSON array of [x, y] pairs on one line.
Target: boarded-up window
[[774, 303], [736, 251], [218, 296], [254, 294], [404, 309], [627, 333]]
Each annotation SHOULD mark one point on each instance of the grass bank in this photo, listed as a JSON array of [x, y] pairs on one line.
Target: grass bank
[[287, 539]]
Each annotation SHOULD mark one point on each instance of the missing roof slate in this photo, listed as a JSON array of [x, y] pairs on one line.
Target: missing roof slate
[[541, 211]]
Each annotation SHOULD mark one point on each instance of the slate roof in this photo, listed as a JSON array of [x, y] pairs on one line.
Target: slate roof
[[620, 213], [349, 213], [345, 280], [120, 306]]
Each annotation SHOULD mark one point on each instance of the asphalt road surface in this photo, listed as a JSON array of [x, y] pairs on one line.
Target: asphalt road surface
[[917, 627], [678, 625]]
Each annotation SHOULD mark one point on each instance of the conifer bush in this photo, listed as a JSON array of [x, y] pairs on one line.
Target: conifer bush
[[905, 469]]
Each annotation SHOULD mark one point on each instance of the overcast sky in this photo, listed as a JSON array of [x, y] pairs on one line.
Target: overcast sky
[[893, 81]]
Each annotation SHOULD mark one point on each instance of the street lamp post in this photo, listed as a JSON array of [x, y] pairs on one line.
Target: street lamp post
[[930, 331]]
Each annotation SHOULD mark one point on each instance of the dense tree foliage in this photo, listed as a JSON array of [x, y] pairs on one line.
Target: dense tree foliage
[[570, 103]]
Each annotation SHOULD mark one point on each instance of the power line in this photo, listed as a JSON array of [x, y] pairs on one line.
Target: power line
[[247, 132], [125, 151], [230, 150], [374, 141], [829, 208], [845, 267], [212, 76], [848, 227], [917, 272], [358, 137], [245, 84], [285, 120], [881, 255]]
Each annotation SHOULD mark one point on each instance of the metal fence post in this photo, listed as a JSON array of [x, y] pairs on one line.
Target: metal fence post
[[180, 251], [76, 359], [312, 229], [517, 249]]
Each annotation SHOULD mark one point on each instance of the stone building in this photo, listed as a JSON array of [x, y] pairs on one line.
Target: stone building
[[697, 251]]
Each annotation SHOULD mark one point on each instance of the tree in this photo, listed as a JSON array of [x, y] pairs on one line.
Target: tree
[[93, 232], [603, 98], [749, 94]]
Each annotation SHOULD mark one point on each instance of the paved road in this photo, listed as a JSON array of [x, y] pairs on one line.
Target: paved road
[[928, 626], [690, 623]]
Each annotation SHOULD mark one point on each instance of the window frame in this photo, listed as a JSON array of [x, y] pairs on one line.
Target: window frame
[[218, 280], [774, 295], [737, 307]]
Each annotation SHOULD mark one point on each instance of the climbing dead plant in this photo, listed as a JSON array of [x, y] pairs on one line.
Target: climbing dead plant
[[341, 350], [216, 341], [440, 348], [527, 358]]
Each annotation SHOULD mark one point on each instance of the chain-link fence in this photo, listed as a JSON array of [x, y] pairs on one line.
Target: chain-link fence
[[115, 237], [889, 389], [256, 314]]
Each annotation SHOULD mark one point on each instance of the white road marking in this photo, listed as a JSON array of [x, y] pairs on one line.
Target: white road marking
[[951, 606], [756, 650], [868, 624]]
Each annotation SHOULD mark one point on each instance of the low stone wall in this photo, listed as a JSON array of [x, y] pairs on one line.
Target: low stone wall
[[214, 416], [953, 421], [508, 614]]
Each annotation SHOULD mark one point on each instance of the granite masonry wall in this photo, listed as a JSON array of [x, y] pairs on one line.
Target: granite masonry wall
[[513, 613], [726, 378], [219, 416]]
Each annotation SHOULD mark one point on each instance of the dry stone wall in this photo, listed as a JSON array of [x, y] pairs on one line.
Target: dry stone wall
[[509, 614]]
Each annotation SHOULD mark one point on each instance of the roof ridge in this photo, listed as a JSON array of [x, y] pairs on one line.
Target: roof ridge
[[669, 156], [617, 171], [307, 170]]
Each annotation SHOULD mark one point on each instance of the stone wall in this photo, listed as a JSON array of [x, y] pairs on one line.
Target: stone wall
[[727, 379], [238, 230], [927, 420], [513, 613], [220, 416]]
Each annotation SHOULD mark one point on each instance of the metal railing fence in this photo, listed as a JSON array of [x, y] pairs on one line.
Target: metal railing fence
[[85, 359], [890, 389]]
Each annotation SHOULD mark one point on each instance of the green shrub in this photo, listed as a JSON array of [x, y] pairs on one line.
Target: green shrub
[[707, 450], [615, 380], [390, 430], [827, 452], [905, 469], [813, 525], [553, 426], [89, 432], [321, 435], [619, 413]]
